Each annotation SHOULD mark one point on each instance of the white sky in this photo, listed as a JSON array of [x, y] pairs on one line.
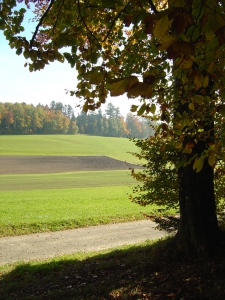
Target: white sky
[[17, 84]]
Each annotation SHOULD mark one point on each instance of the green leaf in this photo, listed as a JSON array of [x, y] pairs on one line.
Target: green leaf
[[19, 51], [181, 163], [107, 3], [33, 55], [22, 10], [140, 16], [2, 24], [195, 34], [26, 54], [121, 85], [69, 58], [153, 108], [141, 110], [140, 89], [134, 108], [198, 164], [94, 77], [222, 110], [161, 26]]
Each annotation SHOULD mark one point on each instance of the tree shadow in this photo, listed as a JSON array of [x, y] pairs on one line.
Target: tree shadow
[[151, 271]]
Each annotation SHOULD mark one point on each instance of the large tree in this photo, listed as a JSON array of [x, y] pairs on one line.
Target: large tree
[[170, 54]]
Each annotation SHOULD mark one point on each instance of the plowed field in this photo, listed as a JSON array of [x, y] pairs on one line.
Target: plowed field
[[57, 164]]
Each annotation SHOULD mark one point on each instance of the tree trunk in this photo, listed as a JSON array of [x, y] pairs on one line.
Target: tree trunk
[[198, 228]]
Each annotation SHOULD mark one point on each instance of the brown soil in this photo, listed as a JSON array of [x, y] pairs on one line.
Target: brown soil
[[56, 164]]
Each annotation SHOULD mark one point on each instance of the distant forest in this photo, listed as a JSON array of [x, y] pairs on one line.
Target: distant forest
[[22, 118]]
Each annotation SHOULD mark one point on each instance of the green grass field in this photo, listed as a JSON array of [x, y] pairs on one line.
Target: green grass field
[[117, 148], [25, 182], [57, 209], [48, 202]]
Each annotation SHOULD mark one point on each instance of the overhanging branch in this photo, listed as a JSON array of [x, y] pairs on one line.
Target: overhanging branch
[[79, 11], [114, 20], [111, 27], [152, 5], [40, 23]]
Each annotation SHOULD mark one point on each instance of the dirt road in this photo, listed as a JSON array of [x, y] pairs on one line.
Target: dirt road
[[93, 238]]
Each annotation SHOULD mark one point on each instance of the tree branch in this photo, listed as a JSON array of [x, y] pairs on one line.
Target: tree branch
[[114, 20], [110, 29], [40, 23], [57, 18], [79, 11], [152, 5]]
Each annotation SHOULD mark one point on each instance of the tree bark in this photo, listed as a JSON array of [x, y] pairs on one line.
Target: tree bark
[[198, 231]]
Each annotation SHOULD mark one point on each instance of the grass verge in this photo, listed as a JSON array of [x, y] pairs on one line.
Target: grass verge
[[24, 212], [150, 270]]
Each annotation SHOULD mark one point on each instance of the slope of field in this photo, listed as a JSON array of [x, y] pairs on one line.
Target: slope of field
[[56, 182], [68, 145]]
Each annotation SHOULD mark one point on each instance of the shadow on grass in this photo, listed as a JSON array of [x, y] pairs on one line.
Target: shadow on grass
[[147, 271]]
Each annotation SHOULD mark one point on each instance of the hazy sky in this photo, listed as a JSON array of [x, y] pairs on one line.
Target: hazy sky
[[17, 84]]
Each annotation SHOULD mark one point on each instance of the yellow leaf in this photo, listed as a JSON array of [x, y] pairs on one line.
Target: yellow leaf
[[121, 85], [163, 147], [161, 27], [191, 106], [209, 34], [198, 80], [178, 128], [195, 163], [205, 82], [198, 165], [187, 150], [186, 63], [198, 99], [211, 157], [178, 145]]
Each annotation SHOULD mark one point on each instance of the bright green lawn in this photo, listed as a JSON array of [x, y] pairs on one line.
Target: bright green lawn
[[75, 145], [54, 209]]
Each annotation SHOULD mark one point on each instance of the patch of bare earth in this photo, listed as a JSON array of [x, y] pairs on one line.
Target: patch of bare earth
[[57, 164]]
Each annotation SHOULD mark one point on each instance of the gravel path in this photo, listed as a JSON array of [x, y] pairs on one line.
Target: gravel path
[[93, 238]]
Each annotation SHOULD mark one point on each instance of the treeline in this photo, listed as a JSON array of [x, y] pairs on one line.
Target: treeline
[[22, 118]]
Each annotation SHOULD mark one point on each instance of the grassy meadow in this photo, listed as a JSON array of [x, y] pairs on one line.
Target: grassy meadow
[[74, 145], [47, 202]]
